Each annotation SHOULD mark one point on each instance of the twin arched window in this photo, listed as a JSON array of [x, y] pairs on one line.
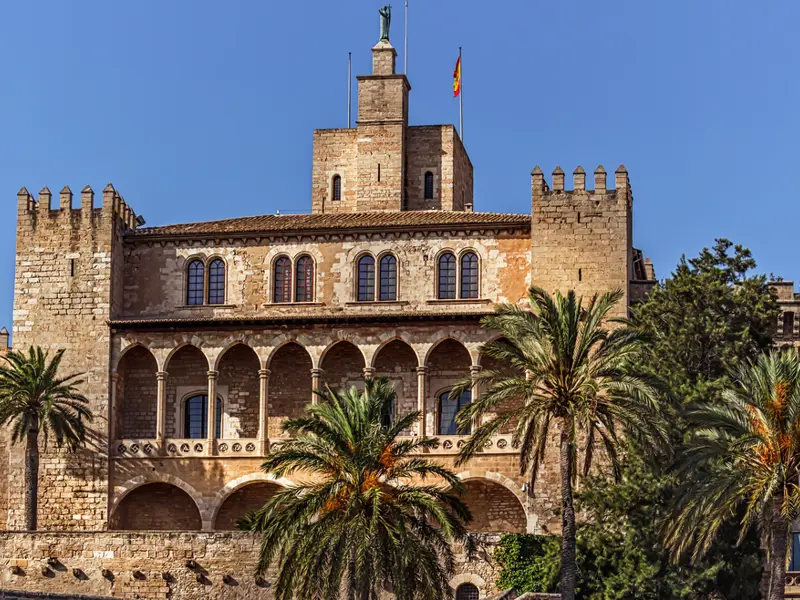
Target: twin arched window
[[452, 279], [196, 282], [195, 418], [386, 280], [448, 409], [303, 279]]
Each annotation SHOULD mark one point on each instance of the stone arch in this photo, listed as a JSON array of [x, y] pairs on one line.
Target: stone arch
[[448, 363], [187, 373], [394, 336], [131, 346], [180, 346], [342, 364], [442, 336], [136, 394], [169, 504], [243, 495], [238, 367], [497, 503], [397, 360], [290, 384]]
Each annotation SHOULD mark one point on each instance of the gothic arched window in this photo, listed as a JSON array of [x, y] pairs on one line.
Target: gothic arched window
[[469, 275], [467, 591], [366, 279], [195, 282], [446, 289], [304, 280], [216, 281], [428, 185], [448, 409], [388, 278], [195, 418], [337, 187], [282, 290]]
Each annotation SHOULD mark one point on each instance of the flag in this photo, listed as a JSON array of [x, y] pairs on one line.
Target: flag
[[457, 79]]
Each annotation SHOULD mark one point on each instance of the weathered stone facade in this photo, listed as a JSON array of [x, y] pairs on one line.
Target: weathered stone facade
[[189, 394]]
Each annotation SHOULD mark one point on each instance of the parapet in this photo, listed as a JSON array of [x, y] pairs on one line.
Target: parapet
[[36, 211], [539, 184]]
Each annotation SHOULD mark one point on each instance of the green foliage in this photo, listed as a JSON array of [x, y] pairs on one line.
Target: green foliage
[[528, 563], [373, 513]]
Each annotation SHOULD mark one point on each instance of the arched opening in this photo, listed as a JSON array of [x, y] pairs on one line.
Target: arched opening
[[428, 185], [282, 280], [245, 500], [187, 377], [366, 278], [387, 280], [157, 507], [467, 591], [337, 188], [195, 282], [494, 508], [788, 323], [136, 395], [446, 277], [448, 365], [216, 281], [469, 275], [289, 385], [397, 361], [343, 366], [501, 369], [304, 280], [238, 382]]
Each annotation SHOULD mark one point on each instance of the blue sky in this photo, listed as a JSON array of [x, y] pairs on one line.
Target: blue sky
[[201, 110]]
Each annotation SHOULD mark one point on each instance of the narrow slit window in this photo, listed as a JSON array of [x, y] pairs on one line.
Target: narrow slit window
[[366, 279], [283, 280], [195, 276], [216, 282], [379, 171], [447, 277], [580, 274], [428, 186], [337, 187], [788, 323], [72, 267], [388, 278], [469, 275], [304, 280]]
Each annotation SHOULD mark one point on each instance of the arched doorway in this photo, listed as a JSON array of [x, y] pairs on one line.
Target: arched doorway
[[343, 366], [494, 508], [467, 591], [289, 385], [398, 361], [238, 382], [156, 507], [245, 500], [136, 395]]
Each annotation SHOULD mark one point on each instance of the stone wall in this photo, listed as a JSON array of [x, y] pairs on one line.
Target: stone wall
[[438, 149]]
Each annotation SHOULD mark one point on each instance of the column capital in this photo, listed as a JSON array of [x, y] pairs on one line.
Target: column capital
[[369, 371], [475, 369], [422, 370], [213, 374], [161, 375], [114, 375], [264, 373], [317, 371]]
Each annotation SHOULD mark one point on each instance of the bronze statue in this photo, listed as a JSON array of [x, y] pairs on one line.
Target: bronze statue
[[386, 20]]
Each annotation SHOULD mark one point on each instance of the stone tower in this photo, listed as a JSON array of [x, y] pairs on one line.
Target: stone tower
[[68, 285], [582, 239]]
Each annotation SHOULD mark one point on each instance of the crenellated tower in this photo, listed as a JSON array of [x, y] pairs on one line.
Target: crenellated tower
[[581, 238], [68, 285]]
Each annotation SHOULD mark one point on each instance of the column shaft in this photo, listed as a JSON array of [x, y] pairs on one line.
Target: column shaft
[[211, 425], [263, 410], [161, 407], [422, 384]]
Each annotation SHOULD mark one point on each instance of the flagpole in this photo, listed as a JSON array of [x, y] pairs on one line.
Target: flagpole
[[349, 85], [405, 52], [461, 96]]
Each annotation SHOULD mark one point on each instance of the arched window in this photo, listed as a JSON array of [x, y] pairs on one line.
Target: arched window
[[388, 278], [467, 591], [448, 409], [195, 276], [447, 277], [282, 291], [428, 186], [788, 323], [304, 280], [195, 418], [469, 275], [337, 187], [216, 282], [366, 279]]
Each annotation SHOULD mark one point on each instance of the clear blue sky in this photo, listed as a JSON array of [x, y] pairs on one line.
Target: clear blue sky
[[204, 110]]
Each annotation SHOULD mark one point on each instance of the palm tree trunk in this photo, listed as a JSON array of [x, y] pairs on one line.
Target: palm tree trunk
[[569, 567], [31, 478], [777, 560]]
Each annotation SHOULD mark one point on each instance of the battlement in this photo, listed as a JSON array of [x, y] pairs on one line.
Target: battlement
[[34, 212], [621, 181]]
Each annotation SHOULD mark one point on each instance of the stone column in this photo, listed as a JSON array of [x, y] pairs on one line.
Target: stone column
[[315, 383], [475, 389], [422, 384], [161, 408], [212, 413], [263, 410], [112, 420]]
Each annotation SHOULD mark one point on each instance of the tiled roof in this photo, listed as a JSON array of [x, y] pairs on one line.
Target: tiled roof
[[342, 221]]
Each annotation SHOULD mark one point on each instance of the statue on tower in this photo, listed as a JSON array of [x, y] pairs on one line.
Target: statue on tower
[[386, 21]]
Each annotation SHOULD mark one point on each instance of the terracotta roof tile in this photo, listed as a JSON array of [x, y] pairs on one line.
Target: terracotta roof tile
[[341, 221]]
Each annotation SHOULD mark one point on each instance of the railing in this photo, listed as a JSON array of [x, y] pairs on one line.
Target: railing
[[177, 447], [793, 580]]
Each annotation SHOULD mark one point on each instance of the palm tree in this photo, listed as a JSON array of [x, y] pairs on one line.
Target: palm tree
[[742, 462], [366, 518], [34, 400], [564, 368]]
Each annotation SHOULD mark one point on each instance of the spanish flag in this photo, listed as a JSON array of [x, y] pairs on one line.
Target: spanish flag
[[457, 79]]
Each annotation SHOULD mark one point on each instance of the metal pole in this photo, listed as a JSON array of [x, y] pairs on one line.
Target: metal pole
[[405, 52], [349, 85], [461, 97]]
